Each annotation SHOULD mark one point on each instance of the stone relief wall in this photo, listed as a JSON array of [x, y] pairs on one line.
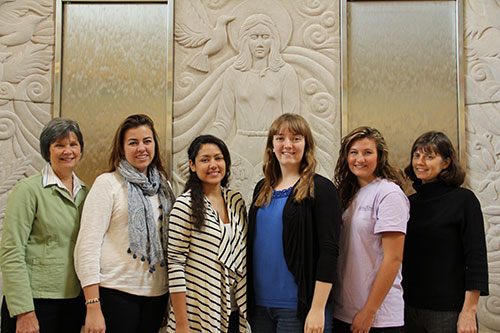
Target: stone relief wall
[[309, 44], [482, 99], [26, 54], [239, 65]]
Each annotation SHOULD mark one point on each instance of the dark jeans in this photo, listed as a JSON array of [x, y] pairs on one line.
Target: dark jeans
[[127, 313], [281, 320], [54, 315], [342, 327], [430, 321]]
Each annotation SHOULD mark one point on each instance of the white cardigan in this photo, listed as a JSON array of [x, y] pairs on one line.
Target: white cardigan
[[101, 249]]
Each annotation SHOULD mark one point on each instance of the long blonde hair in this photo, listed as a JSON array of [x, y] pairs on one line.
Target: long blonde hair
[[346, 182], [271, 168]]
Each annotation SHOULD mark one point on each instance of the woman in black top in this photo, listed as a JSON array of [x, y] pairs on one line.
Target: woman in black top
[[445, 267]]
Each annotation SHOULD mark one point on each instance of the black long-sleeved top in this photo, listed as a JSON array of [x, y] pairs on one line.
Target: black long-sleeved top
[[445, 247], [310, 240]]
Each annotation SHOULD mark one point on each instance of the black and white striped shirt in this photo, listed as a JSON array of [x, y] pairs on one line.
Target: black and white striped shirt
[[206, 263]]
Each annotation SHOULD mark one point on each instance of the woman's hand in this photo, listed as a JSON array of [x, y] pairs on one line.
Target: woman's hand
[[467, 318], [466, 322], [94, 321], [362, 321], [315, 321], [27, 323]]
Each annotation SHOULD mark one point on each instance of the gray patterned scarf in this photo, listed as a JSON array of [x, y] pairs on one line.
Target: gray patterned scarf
[[145, 241]]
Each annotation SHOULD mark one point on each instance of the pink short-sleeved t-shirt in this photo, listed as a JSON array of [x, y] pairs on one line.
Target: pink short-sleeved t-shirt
[[378, 207]]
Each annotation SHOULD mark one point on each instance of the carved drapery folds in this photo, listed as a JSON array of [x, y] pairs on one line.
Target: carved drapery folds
[[221, 89]]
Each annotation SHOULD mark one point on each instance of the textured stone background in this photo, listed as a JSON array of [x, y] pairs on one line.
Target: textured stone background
[[26, 68]]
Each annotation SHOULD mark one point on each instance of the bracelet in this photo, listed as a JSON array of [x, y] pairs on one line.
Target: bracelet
[[92, 301]]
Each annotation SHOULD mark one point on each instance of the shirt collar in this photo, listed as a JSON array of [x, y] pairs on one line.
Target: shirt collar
[[49, 177]]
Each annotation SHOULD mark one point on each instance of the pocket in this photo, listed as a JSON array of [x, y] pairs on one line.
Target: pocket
[[48, 275]]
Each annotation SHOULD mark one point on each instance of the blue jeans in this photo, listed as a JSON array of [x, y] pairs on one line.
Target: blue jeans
[[281, 320]]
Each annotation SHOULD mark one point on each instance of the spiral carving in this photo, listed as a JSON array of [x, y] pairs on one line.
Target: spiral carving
[[323, 104], [310, 86], [312, 7], [186, 83], [479, 71], [316, 37], [493, 304], [38, 88], [7, 126], [7, 92], [328, 19]]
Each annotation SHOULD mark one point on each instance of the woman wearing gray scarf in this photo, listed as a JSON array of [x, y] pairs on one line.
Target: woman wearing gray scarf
[[120, 255]]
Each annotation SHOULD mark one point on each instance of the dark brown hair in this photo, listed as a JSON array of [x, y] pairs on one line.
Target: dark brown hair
[[58, 128], [271, 168], [346, 182], [439, 144], [194, 183], [117, 151]]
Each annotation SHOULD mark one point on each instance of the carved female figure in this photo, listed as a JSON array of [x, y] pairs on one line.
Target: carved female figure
[[258, 87]]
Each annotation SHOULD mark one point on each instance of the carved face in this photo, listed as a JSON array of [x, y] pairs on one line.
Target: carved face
[[260, 41]]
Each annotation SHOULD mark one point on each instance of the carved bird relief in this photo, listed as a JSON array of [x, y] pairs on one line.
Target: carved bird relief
[[213, 40], [19, 33]]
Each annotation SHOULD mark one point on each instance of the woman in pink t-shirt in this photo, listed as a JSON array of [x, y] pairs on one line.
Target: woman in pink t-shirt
[[368, 296]]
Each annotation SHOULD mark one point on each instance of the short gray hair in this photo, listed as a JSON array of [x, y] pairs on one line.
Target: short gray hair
[[55, 129]]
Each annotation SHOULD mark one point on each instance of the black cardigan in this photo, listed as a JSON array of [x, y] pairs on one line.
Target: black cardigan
[[445, 248], [310, 240]]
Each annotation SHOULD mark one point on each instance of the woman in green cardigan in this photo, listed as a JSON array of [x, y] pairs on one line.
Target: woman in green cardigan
[[41, 290]]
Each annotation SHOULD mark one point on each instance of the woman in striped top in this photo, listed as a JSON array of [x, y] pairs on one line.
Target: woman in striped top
[[207, 246]]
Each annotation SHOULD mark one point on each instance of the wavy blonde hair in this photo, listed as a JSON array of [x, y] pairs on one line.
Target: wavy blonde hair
[[346, 182], [271, 168]]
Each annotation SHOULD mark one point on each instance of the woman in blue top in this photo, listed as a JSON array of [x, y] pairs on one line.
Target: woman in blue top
[[293, 235]]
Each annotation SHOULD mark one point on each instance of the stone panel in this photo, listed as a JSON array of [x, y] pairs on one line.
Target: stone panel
[[218, 88], [483, 177], [482, 51], [482, 94]]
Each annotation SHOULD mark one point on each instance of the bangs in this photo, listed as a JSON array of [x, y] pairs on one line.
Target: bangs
[[294, 126], [428, 148]]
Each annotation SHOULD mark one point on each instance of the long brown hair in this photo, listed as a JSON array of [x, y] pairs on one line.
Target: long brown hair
[[117, 152], [271, 168], [346, 182], [194, 183]]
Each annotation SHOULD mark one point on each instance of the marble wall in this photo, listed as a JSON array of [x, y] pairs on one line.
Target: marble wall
[[482, 99], [207, 45]]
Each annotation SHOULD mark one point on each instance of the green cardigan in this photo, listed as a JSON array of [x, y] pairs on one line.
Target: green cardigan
[[39, 234]]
